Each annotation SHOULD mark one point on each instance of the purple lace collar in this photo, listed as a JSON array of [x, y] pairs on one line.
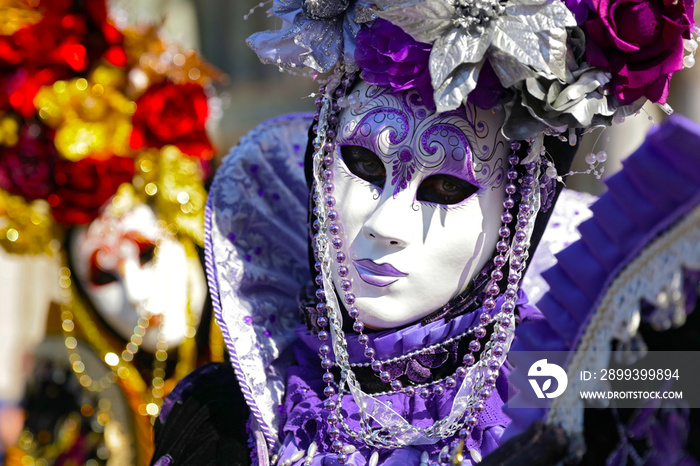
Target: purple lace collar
[[409, 340]]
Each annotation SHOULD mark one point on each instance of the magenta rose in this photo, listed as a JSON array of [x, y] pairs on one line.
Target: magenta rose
[[640, 42]]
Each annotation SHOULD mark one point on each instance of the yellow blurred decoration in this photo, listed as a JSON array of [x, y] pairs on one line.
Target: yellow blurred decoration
[[174, 182], [9, 130], [90, 118], [25, 227], [15, 15]]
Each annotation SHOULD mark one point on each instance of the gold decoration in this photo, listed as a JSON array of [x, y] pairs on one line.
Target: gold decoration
[[217, 346], [90, 118], [16, 15], [26, 227], [125, 200], [9, 130], [174, 182], [157, 60]]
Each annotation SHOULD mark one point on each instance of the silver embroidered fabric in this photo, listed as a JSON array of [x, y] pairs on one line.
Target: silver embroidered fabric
[[306, 40], [259, 249]]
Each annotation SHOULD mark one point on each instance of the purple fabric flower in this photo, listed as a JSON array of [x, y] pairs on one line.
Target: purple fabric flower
[[580, 9], [488, 88], [389, 57], [641, 43]]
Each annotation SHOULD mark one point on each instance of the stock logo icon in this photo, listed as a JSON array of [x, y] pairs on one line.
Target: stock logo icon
[[543, 370]]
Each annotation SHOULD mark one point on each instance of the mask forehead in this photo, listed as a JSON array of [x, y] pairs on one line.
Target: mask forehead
[[415, 142]]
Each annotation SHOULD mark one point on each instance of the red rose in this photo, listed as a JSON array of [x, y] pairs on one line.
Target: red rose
[[172, 114], [84, 186], [17, 90], [71, 34], [641, 43], [26, 169]]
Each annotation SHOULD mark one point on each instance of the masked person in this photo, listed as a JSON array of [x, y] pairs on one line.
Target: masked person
[[428, 184], [103, 161]]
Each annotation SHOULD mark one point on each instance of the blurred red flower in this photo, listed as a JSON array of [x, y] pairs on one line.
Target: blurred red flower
[[26, 169], [83, 187], [173, 114], [71, 34]]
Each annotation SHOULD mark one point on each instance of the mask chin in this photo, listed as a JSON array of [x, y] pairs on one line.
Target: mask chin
[[135, 275]]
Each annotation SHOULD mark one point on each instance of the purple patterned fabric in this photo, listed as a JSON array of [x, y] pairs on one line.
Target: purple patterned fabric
[[304, 416], [255, 256]]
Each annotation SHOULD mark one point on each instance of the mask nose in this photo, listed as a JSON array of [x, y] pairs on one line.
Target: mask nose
[[390, 223]]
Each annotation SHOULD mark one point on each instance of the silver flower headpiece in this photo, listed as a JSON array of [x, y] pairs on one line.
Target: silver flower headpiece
[[563, 65]]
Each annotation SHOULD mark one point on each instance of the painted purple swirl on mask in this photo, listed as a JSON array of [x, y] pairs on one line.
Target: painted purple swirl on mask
[[430, 146], [394, 136], [398, 128]]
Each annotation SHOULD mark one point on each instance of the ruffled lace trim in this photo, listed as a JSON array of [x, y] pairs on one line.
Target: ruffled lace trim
[[644, 232]]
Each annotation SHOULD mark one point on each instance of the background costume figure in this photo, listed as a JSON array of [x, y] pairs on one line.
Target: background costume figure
[[103, 159]]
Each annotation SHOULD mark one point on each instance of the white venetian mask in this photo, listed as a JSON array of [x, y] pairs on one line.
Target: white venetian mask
[[419, 201], [129, 267]]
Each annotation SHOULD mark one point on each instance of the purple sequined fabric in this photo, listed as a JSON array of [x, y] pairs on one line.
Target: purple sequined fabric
[[304, 416]]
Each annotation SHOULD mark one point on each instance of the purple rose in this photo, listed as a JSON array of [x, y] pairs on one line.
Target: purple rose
[[27, 168], [488, 88], [579, 8], [641, 43], [391, 58]]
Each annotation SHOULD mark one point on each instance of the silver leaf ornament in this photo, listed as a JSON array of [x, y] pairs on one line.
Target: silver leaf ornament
[[424, 20], [456, 48], [535, 35], [454, 90]]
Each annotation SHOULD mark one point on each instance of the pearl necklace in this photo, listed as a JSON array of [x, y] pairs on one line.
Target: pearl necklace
[[73, 312]]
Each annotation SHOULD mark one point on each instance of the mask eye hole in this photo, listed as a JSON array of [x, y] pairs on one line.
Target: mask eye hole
[[147, 247], [147, 253], [445, 190], [364, 164], [99, 276]]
